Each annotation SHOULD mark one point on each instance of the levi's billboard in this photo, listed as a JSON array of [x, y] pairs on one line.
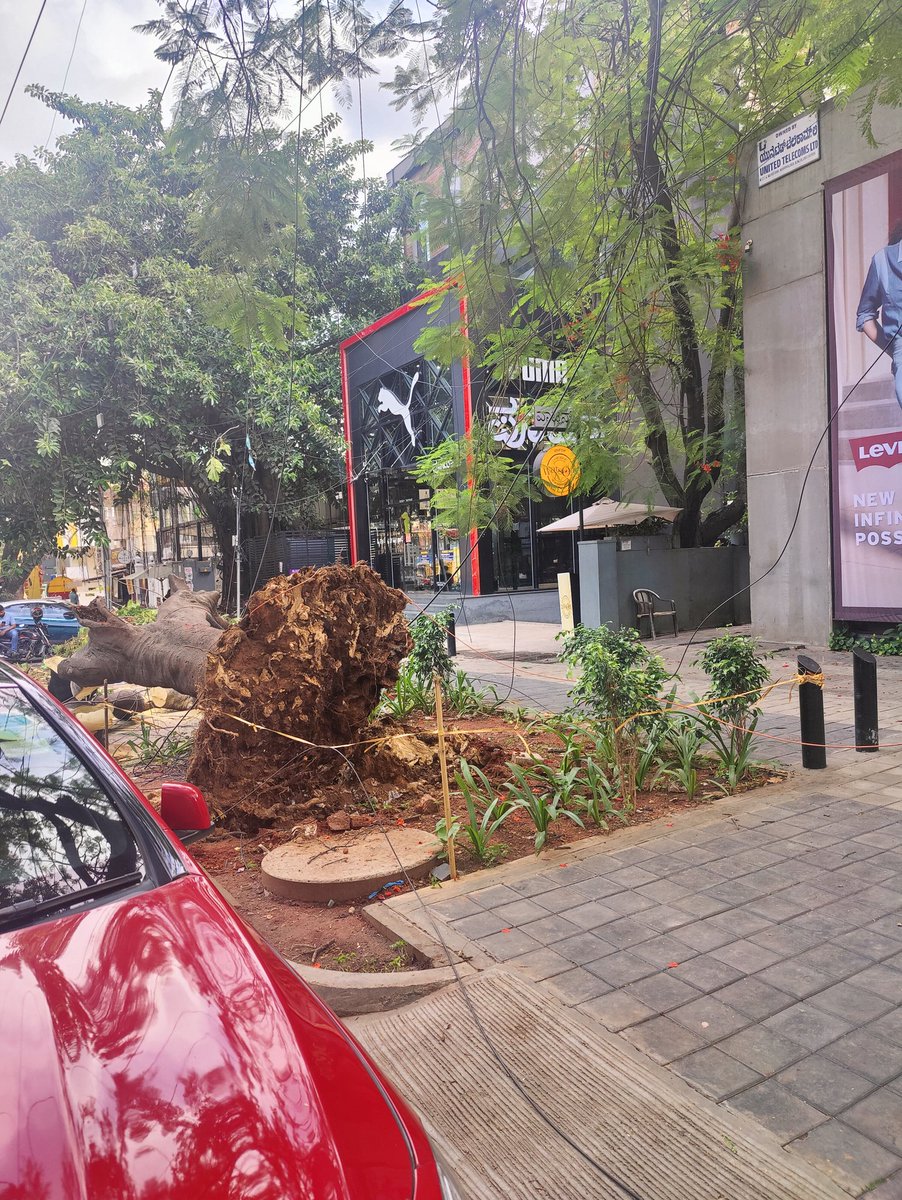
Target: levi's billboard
[[864, 281]]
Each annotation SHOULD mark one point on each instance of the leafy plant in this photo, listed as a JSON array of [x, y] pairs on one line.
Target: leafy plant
[[68, 648], [408, 696], [684, 739], [619, 684], [147, 749], [543, 804], [136, 614], [732, 703], [465, 699], [602, 791], [429, 655], [888, 642], [478, 794]]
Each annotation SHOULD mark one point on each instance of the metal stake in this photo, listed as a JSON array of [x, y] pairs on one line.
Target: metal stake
[[864, 676], [446, 791], [811, 717]]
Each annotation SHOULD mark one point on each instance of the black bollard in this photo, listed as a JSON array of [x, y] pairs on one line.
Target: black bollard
[[452, 634], [811, 716], [864, 676]]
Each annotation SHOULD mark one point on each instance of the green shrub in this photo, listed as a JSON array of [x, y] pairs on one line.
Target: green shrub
[[136, 614], [733, 702], [619, 684], [887, 643]]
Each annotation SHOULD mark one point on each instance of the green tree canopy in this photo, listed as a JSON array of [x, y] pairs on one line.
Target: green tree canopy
[[193, 302], [593, 172]]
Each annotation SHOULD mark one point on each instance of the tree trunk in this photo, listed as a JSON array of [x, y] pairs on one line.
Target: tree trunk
[[171, 652]]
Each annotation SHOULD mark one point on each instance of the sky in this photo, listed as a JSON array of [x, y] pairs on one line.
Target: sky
[[113, 62]]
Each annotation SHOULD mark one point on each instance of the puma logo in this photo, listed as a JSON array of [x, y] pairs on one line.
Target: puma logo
[[389, 402]]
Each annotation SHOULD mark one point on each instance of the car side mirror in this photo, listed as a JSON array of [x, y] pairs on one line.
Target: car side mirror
[[185, 811]]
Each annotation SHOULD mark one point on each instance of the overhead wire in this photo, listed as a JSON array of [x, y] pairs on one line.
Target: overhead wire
[[12, 86]]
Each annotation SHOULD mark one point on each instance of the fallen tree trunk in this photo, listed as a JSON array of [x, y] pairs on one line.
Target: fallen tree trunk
[[171, 652], [309, 659]]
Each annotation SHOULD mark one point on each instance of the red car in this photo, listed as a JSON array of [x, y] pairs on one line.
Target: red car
[[155, 1048]]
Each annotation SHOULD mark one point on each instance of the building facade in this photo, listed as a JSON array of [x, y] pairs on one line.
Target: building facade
[[823, 417]]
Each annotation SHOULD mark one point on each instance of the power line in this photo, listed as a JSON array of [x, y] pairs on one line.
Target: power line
[[81, 17], [12, 87]]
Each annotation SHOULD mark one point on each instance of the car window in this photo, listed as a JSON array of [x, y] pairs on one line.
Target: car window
[[59, 831]]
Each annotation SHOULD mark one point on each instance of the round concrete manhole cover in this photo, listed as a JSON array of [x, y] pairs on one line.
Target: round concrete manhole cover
[[348, 866]]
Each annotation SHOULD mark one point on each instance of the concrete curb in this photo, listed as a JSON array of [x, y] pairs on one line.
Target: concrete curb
[[352, 993]]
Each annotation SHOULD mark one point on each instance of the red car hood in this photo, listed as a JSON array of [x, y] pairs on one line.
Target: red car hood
[[155, 1051]]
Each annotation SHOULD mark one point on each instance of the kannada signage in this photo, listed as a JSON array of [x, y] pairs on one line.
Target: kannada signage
[[864, 261], [518, 424], [785, 150]]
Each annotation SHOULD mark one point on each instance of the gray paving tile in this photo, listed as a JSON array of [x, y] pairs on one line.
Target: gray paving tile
[[714, 1073], [706, 973], [551, 929], [710, 1019], [582, 948], [577, 986], [561, 898], [483, 924], [807, 1025], [663, 891], [824, 1083], [541, 964], [845, 1155], [745, 956], [696, 879], [520, 912], [508, 944], [741, 922], [617, 1010], [835, 962], [626, 932], [627, 904], [665, 917], [491, 897], [873, 1057], [883, 899], [663, 991], [890, 1189], [663, 950], [620, 968], [889, 1026], [457, 908], [879, 1117], [663, 1039], [851, 1003], [754, 998], [701, 905], [784, 940], [632, 855], [631, 877], [777, 908], [879, 978], [762, 1049], [870, 943], [798, 980], [738, 892], [599, 886], [777, 1109], [532, 885], [704, 935], [590, 916]]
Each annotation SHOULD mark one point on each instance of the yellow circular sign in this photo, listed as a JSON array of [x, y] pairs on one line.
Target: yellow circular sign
[[559, 470]]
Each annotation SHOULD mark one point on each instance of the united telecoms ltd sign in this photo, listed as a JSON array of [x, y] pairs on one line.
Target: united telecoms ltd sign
[[785, 150]]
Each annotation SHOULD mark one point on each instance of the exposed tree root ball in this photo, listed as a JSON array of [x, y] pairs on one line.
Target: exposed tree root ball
[[309, 658]]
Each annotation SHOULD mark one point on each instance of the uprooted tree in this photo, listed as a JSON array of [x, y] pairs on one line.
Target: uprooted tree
[[307, 660]]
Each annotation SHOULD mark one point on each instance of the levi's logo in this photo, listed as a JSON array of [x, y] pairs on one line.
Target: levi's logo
[[880, 450]]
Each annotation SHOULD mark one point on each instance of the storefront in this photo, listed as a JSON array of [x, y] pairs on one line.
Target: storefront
[[397, 405]]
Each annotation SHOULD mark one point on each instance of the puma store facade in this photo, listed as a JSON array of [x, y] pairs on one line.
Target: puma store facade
[[398, 405]]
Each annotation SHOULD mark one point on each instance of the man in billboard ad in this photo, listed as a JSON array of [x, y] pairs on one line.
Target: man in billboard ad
[[864, 234]]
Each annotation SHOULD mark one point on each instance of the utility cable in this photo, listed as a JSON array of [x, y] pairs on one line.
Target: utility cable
[[12, 86]]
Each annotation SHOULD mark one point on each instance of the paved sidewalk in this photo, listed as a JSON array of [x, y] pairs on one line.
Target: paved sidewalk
[[754, 948], [514, 663]]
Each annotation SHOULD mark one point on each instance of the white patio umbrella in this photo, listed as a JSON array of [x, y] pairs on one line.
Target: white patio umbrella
[[607, 512]]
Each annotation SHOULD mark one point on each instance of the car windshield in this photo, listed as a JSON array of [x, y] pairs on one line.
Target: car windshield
[[59, 832]]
